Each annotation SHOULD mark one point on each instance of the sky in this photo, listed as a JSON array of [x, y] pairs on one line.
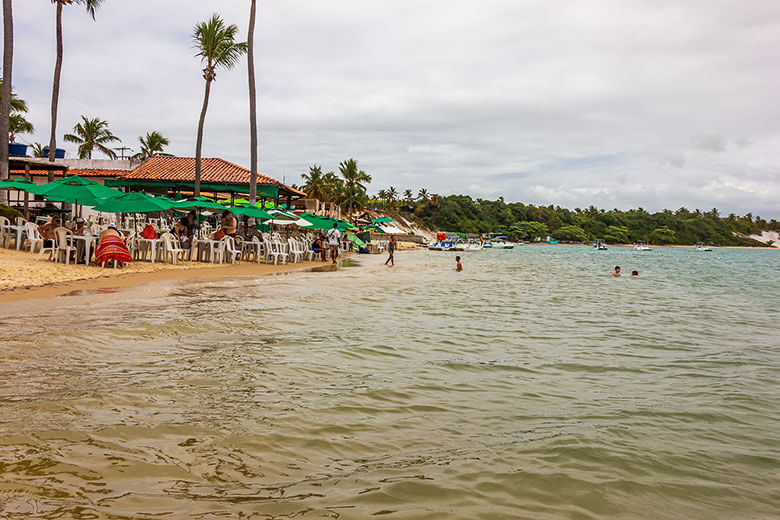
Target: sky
[[648, 103]]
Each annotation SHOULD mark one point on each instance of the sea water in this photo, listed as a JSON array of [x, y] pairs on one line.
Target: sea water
[[531, 385]]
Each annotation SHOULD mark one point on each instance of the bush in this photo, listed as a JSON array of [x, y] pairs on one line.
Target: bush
[[9, 213]]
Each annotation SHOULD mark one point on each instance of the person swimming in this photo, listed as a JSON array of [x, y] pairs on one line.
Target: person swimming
[[635, 274], [458, 267], [617, 271]]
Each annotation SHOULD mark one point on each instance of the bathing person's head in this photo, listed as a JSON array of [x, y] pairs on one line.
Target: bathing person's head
[[634, 273], [457, 259]]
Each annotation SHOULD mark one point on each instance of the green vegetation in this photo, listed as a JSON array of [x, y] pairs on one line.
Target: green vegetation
[[90, 134], [152, 145], [529, 222], [17, 123], [348, 190]]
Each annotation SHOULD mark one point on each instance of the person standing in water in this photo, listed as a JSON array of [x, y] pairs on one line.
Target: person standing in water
[[458, 267], [617, 271], [390, 250]]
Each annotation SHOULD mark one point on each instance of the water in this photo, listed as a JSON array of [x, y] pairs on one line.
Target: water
[[531, 385]]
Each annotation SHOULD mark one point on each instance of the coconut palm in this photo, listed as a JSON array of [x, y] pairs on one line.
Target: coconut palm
[[91, 6], [152, 145], [17, 123], [354, 183], [392, 195], [408, 197], [5, 90], [217, 47], [37, 150], [250, 51], [422, 194], [90, 134], [314, 183]]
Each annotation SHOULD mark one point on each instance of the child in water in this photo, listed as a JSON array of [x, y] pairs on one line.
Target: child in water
[[634, 274], [617, 271], [458, 267]]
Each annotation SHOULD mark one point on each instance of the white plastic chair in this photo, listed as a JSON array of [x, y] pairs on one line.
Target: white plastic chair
[[295, 254], [172, 249], [31, 231], [227, 250], [273, 249], [62, 245]]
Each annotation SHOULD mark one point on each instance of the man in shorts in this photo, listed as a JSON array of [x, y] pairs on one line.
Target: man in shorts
[[334, 237]]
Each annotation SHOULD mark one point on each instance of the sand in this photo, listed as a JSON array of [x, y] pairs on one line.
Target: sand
[[22, 277]]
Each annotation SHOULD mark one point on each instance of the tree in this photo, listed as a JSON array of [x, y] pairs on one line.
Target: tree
[[392, 196], [152, 145], [90, 134], [17, 123], [663, 235], [572, 233], [354, 182], [616, 234], [91, 6], [422, 195], [250, 51], [408, 197], [314, 183], [37, 150], [528, 228], [5, 90], [217, 47]]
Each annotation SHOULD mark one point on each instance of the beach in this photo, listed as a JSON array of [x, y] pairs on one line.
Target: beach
[[23, 277]]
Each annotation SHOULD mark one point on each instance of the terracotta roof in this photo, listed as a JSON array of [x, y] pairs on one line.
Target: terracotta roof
[[213, 170], [74, 171]]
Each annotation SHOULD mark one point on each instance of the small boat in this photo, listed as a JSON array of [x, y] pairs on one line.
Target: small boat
[[498, 243], [599, 245], [641, 246], [701, 247]]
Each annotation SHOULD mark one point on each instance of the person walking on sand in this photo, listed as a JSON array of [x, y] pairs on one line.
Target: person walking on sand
[[390, 251], [458, 267], [334, 237], [617, 271]]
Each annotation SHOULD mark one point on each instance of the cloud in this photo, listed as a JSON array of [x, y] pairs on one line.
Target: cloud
[[589, 103]]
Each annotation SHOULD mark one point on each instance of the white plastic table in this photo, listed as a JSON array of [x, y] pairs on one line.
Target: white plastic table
[[88, 241], [152, 245], [18, 230]]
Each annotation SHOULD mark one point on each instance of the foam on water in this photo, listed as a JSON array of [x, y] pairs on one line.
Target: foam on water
[[531, 385]]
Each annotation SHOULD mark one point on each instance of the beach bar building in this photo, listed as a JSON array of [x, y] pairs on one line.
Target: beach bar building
[[174, 176]]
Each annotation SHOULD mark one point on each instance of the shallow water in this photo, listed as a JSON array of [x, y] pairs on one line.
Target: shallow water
[[531, 385]]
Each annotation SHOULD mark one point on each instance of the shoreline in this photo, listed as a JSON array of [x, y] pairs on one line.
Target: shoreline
[[118, 279]]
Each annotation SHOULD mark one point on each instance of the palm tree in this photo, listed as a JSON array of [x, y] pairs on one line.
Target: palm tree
[[37, 150], [17, 124], [408, 197], [334, 188], [422, 194], [250, 54], [152, 145], [217, 47], [392, 195], [5, 90], [91, 134], [91, 6], [354, 182], [314, 183]]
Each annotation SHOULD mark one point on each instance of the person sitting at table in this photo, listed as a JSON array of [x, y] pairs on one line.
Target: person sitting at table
[[78, 230], [180, 231], [229, 223], [47, 231], [111, 246]]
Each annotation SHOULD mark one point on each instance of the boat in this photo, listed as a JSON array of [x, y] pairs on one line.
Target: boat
[[701, 247], [467, 246], [639, 245], [599, 245], [498, 242]]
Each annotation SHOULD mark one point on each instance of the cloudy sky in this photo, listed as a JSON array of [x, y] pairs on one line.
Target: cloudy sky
[[616, 103]]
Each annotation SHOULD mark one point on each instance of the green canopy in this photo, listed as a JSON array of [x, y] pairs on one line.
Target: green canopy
[[197, 203], [77, 190], [251, 211], [21, 184], [382, 220], [134, 202], [355, 240], [236, 202], [320, 222]]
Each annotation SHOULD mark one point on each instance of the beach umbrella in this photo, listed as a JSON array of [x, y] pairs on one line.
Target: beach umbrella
[[197, 203], [77, 190], [382, 220], [22, 185], [252, 212], [134, 202]]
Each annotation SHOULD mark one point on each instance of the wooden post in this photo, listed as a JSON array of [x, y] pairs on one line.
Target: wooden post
[[26, 194]]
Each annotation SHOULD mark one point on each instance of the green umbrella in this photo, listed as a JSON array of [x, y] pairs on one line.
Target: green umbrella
[[134, 202], [21, 184], [382, 220], [77, 190], [197, 203], [251, 211]]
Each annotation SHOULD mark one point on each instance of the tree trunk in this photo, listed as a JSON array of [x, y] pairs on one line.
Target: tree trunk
[[250, 42], [5, 106], [199, 143], [55, 90]]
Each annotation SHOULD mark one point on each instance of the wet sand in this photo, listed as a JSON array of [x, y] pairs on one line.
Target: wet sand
[[24, 278]]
